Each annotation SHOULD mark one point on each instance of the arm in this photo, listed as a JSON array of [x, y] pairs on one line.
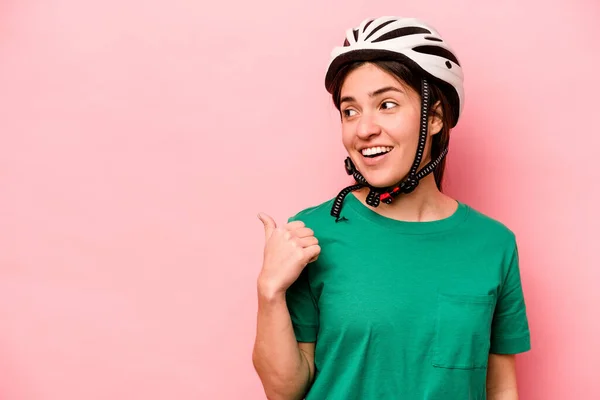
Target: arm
[[510, 333], [501, 378], [285, 367]]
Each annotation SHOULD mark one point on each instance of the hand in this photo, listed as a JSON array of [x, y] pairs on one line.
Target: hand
[[287, 251]]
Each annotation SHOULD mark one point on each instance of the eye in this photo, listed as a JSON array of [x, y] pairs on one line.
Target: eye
[[348, 112], [386, 105]]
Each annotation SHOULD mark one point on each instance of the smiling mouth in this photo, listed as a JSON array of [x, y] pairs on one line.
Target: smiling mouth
[[373, 152]]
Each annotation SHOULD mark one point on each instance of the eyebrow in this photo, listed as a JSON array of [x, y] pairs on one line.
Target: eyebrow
[[375, 93]]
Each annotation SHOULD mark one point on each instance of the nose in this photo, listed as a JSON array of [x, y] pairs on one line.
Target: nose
[[367, 127]]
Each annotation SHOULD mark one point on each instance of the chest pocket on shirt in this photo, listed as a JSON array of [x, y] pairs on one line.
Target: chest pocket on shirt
[[462, 333]]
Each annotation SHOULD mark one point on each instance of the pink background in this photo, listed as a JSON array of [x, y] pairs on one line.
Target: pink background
[[139, 139]]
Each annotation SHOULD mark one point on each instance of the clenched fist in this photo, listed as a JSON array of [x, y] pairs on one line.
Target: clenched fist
[[287, 251]]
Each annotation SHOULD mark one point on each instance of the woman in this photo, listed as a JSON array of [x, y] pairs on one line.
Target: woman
[[392, 290]]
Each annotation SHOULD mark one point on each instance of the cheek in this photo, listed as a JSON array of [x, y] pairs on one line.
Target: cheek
[[404, 129], [347, 136]]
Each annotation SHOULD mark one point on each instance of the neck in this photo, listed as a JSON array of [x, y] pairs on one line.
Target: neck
[[425, 203]]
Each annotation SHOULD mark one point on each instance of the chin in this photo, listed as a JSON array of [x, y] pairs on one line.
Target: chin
[[381, 180]]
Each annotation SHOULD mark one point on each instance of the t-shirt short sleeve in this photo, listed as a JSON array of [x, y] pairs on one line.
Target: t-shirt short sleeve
[[510, 328], [302, 306], [303, 309]]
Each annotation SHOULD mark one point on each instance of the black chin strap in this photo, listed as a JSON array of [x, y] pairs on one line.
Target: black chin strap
[[387, 195]]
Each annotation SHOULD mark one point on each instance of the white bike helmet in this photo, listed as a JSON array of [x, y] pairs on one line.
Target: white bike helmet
[[420, 48], [408, 40]]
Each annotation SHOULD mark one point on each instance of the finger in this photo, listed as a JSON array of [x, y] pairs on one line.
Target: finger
[[294, 225], [269, 224], [307, 241], [312, 252], [303, 232]]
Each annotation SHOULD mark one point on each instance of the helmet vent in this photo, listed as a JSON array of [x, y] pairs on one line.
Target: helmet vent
[[379, 27], [396, 33], [367, 25], [437, 51]]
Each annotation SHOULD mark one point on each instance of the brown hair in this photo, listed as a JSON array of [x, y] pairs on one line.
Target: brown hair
[[413, 79]]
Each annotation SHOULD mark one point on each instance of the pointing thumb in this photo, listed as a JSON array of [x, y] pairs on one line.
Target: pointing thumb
[[269, 224]]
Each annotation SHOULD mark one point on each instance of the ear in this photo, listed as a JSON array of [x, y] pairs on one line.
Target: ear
[[436, 119]]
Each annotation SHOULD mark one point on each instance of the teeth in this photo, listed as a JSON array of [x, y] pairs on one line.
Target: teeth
[[375, 150]]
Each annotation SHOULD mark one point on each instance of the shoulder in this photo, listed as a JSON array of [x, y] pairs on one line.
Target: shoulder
[[490, 227], [314, 213]]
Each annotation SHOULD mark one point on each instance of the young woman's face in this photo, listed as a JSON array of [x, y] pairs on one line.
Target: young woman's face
[[380, 124]]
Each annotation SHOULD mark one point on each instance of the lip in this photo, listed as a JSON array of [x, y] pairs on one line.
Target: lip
[[374, 161]]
